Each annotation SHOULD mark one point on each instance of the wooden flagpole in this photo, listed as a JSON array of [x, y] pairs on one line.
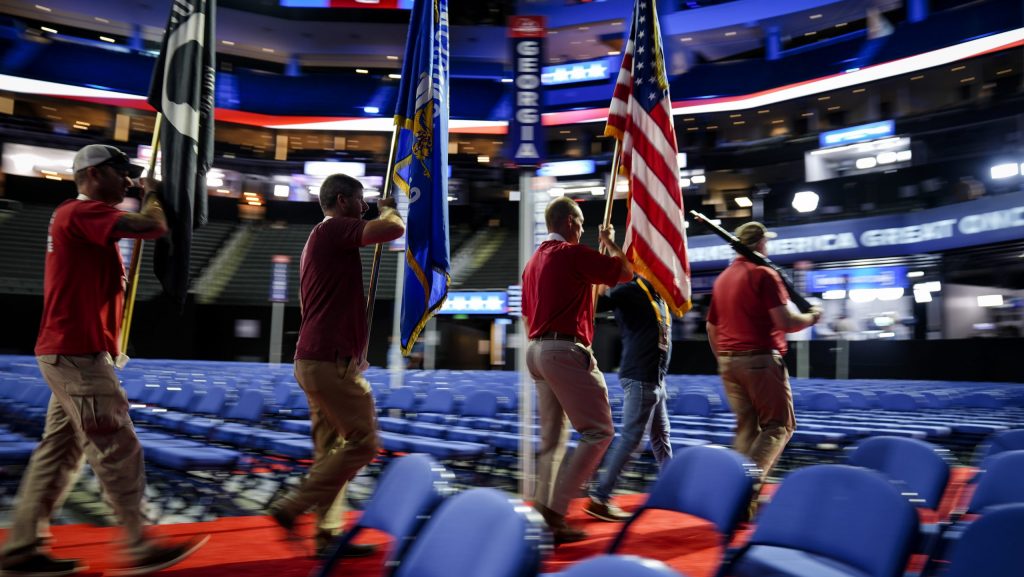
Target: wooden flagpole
[[609, 200], [133, 274], [371, 293], [616, 156]]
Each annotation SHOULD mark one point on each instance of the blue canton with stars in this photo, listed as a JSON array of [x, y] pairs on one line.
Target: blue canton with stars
[[649, 85]]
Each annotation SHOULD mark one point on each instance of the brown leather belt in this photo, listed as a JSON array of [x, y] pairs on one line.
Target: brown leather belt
[[553, 336], [748, 353]]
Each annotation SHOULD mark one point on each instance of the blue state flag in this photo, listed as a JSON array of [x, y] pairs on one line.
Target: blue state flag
[[421, 165]]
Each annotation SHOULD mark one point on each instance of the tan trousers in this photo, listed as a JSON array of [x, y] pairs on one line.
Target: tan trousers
[[568, 384], [344, 437], [87, 418], [757, 387]]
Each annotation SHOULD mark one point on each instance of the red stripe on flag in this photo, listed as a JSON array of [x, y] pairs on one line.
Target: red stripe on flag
[[658, 166], [661, 220], [663, 119]]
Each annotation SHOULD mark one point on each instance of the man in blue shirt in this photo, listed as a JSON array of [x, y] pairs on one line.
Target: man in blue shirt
[[646, 326]]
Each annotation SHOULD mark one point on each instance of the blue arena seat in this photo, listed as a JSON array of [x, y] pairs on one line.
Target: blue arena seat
[[409, 490], [402, 399], [920, 469], [437, 407], [991, 545], [16, 452], [1001, 482], [713, 483], [691, 404], [479, 532], [830, 521], [620, 566], [1011, 440], [211, 403]]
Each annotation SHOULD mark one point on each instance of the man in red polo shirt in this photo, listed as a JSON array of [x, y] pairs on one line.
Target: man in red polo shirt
[[87, 418], [558, 305], [747, 325], [330, 352]]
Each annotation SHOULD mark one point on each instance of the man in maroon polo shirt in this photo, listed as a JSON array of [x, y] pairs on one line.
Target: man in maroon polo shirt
[[87, 417], [329, 355], [747, 325], [558, 305]]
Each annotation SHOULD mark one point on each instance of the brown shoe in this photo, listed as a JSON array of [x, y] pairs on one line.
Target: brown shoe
[[606, 512], [159, 556], [560, 530], [324, 540], [567, 534]]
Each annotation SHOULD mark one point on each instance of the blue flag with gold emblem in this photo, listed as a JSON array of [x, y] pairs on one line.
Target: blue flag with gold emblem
[[421, 165]]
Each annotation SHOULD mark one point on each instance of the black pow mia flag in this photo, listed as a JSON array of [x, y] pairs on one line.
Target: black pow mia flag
[[182, 91]]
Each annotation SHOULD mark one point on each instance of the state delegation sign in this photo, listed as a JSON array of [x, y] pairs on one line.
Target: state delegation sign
[[526, 134]]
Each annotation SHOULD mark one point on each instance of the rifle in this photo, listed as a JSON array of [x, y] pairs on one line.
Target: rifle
[[756, 258]]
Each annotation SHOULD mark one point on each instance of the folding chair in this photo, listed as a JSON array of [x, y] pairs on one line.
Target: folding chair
[[620, 566], [408, 492], [476, 533], [829, 521], [713, 483]]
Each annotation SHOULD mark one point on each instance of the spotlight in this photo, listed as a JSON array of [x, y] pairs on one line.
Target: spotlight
[[805, 201]]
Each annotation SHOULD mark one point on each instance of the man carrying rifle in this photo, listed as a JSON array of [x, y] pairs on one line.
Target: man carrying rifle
[[747, 323]]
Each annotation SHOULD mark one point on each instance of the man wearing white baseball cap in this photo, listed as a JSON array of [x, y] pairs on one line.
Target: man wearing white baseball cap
[[87, 418]]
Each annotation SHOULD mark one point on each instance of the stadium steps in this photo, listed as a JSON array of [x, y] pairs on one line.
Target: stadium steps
[[223, 266]]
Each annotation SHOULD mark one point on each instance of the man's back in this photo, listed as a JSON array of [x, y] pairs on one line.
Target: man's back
[[331, 292], [741, 300], [645, 323], [557, 294]]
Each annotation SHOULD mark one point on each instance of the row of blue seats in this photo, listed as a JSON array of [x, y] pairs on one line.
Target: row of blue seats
[[191, 388], [856, 520]]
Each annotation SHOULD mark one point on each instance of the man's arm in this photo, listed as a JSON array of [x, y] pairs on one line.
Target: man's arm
[[386, 227], [607, 238], [789, 321], [713, 337], [148, 223]]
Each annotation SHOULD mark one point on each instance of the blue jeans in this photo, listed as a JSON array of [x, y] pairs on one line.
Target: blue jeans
[[644, 404]]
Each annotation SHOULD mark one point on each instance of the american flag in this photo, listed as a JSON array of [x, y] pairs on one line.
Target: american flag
[[640, 116]]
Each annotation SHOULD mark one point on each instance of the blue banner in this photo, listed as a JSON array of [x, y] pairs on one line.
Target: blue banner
[[983, 221], [861, 133], [525, 130], [576, 72], [279, 278], [421, 166], [872, 277], [475, 303]]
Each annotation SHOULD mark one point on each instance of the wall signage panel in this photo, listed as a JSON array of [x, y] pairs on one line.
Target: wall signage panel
[[984, 221]]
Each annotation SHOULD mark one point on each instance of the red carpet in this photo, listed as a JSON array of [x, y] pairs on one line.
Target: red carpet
[[252, 546]]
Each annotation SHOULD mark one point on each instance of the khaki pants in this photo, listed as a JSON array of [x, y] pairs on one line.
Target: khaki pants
[[757, 387], [568, 384], [344, 437], [87, 418]]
